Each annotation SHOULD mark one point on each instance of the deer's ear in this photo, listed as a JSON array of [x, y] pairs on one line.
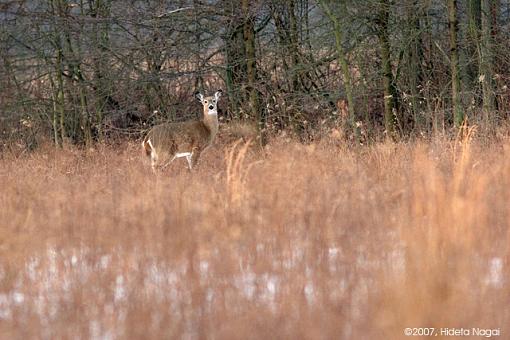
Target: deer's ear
[[217, 95], [199, 96]]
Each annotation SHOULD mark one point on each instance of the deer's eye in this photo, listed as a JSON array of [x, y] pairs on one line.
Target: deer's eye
[[205, 101]]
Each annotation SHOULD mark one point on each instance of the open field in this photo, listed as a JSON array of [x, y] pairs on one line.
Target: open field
[[319, 241]]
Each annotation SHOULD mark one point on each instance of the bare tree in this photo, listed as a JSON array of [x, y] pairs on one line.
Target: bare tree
[[458, 112], [87, 70]]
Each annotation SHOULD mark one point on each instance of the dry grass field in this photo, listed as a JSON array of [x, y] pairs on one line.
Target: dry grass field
[[319, 241]]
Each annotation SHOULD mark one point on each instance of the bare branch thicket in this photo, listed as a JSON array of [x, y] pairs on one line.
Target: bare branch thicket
[[80, 70]]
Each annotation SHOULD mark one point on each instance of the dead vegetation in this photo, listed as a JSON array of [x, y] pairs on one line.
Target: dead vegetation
[[296, 241]]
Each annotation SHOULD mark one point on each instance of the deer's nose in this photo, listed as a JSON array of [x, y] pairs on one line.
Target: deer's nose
[[211, 107]]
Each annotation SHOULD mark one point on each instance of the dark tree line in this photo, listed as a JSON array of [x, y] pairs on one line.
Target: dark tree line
[[78, 70]]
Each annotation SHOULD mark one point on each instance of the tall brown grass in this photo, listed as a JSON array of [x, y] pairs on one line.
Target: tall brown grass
[[319, 241]]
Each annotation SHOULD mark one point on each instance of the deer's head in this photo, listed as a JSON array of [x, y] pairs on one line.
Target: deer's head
[[210, 103]]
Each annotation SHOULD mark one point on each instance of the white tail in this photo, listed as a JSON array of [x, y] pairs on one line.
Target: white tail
[[168, 141]]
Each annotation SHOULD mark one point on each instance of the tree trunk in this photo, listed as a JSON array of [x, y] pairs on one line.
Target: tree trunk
[[235, 51], [472, 68], [294, 47], [458, 112], [251, 70], [342, 59], [486, 58], [388, 82], [58, 65], [54, 118], [415, 72], [74, 60], [100, 10]]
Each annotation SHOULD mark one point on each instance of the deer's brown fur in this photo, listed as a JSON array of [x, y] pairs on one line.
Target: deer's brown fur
[[168, 141]]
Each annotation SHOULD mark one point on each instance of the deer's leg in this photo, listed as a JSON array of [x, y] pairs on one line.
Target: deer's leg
[[189, 159], [179, 155], [154, 161], [196, 156], [170, 161]]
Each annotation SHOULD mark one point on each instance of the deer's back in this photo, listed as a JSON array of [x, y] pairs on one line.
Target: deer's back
[[179, 137]]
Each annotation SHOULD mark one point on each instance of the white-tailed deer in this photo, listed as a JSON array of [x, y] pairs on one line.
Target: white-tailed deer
[[168, 141]]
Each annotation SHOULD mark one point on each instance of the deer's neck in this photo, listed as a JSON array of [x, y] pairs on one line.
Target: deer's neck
[[211, 122]]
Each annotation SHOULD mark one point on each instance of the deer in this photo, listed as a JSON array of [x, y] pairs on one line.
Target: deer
[[168, 141]]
